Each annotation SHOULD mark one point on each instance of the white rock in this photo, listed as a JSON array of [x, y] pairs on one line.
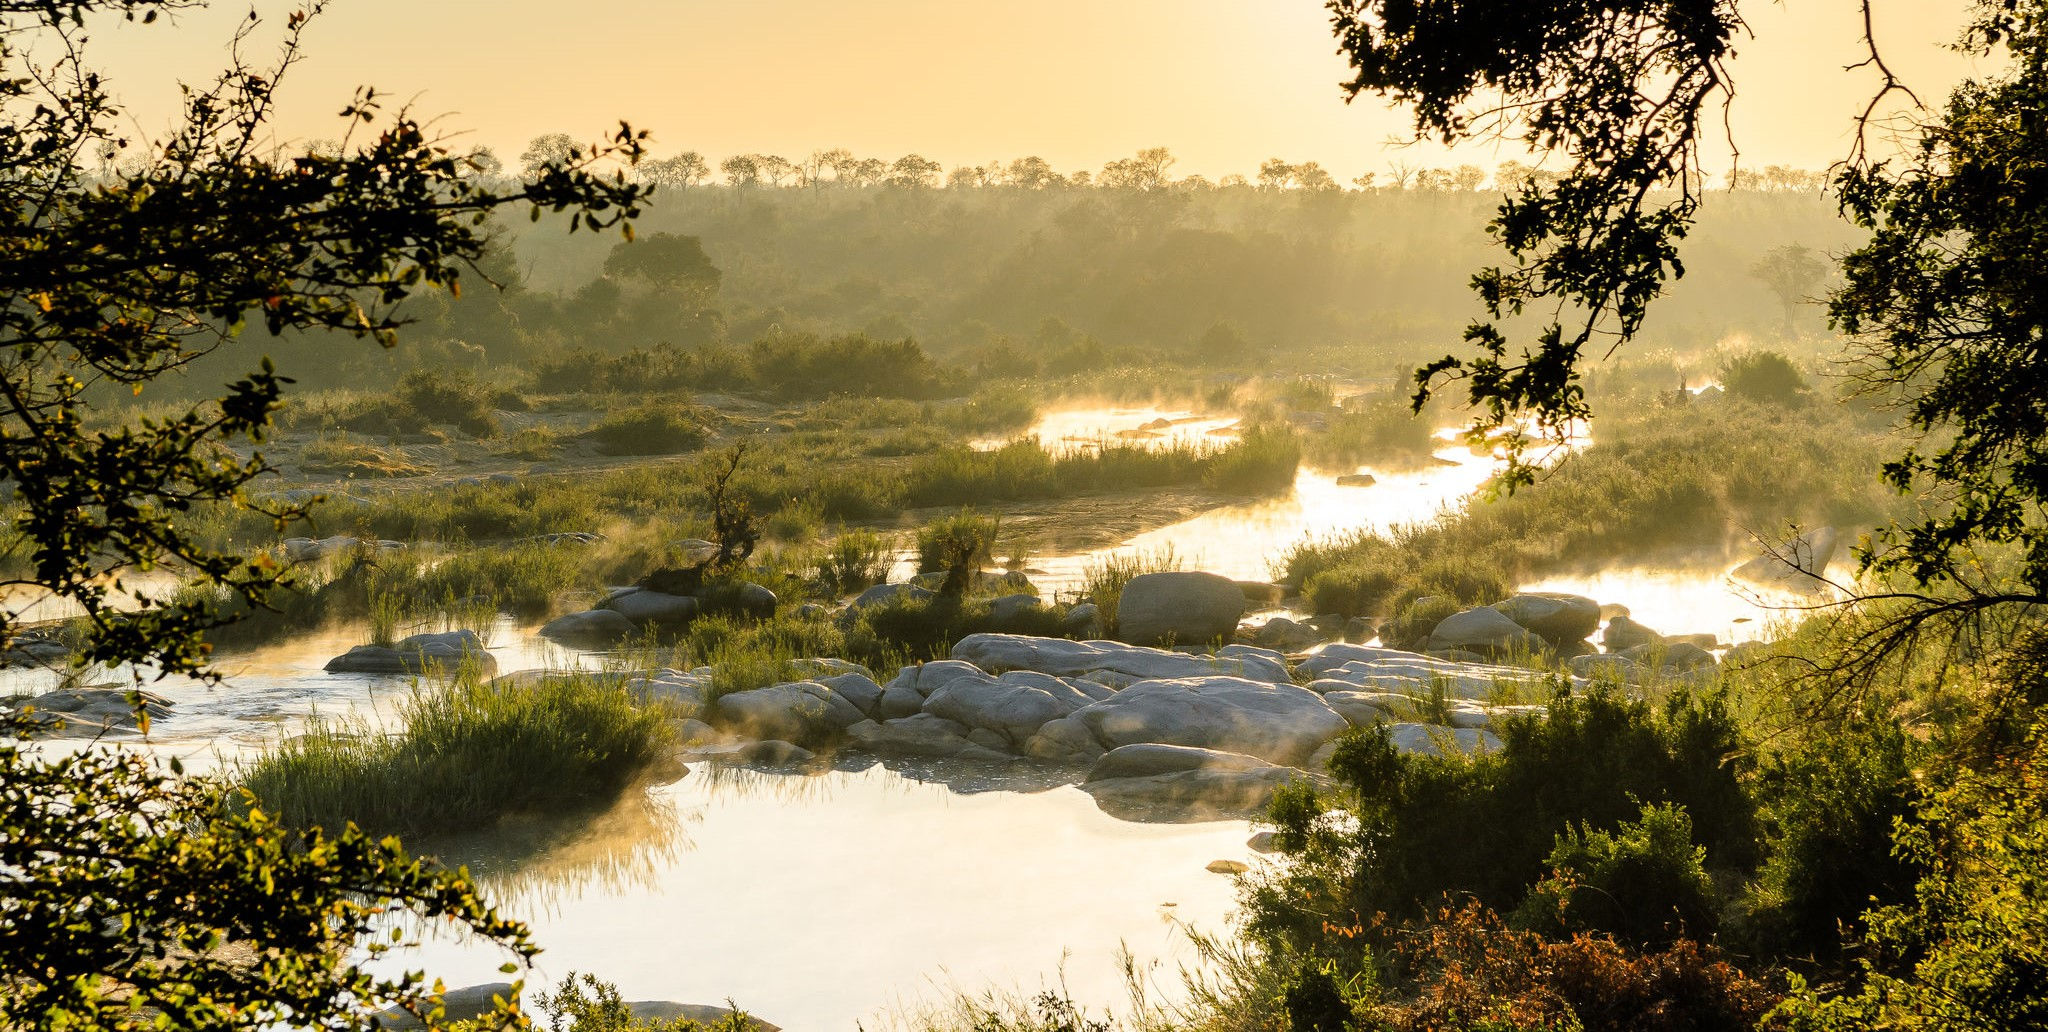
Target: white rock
[[1282, 723], [1063, 658]]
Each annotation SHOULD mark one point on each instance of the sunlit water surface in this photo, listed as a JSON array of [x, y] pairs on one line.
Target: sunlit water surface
[[822, 901]]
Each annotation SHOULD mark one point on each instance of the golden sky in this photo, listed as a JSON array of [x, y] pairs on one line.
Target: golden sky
[[1223, 83]]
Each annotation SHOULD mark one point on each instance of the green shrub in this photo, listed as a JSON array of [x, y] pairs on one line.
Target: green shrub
[[457, 399], [587, 1003], [1353, 589], [1830, 805], [1262, 461], [1643, 882], [649, 430], [1763, 376], [467, 754], [1482, 826], [1103, 579], [904, 628], [958, 545], [854, 561], [1384, 432]]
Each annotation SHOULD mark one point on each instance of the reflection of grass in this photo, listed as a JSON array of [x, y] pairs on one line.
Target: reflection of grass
[[549, 860], [469, 754]]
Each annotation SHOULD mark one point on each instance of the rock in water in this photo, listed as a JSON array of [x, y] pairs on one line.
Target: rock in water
[[1623, 634], [596, 628], [418, 654], [655, 609], [1179, 607]]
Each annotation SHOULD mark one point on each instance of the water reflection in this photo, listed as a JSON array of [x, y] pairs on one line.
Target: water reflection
[[819, 907]]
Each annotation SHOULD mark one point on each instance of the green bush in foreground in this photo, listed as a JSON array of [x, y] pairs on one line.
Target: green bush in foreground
[[467, 754], [649, 430]]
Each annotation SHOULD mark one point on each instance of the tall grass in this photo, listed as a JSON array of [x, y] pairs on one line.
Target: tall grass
[[1103, 579], [464, 756], [1261, 462]]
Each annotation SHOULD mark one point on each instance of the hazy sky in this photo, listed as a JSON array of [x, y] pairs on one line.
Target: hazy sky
[[1224, 83]]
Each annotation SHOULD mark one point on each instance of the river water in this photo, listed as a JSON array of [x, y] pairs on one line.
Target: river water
[[828, 900]]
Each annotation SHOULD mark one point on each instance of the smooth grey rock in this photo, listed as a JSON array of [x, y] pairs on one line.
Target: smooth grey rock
[[756, 601], [1365, 709], [799, 711], [1606, 667], [1285, 635], [679, 692], [921, 735], [1705, 641], [1181, 607], [1083, 621], [857, 688], [597, 627], [1483, 631], [1065, 741], [91, 711], [1063, 658], [1556, 617], [655, 609], [418, 654], [884, 593], [1008, 610], [1014, 705], [1430, 739], [1263, 842], [1281, 723], [1624, 633]]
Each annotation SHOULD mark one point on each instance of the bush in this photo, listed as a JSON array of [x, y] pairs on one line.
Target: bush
[[1763, 376], [1482, 826], [467, 755], [1263, 461], [1473, 973], [959, 545], [649, 430], [1353, 589], [854, 561], [1830, 805], [1642, 883], [589, 1004], [453, 398], [904, 629]]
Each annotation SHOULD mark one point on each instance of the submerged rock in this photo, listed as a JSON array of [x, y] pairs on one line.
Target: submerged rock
[[92, 711], [595, 628], [419, 654], [1624, 633]]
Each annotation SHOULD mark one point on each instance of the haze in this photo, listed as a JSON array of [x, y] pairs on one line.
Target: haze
[[1224, 83]]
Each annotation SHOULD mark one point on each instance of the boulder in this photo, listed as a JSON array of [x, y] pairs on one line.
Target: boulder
[[1366, 709], [1013, 706], [1063, 658], [1357, 480], [799, 711], [1008, 611], [1180, 607], [774, 753], [1705, 641], [1432, 740], [1670, 655], [755, 600], [1064, 741], [1624, 633], [1557, 618], [680, 693], [1609, 667], [1484, 632], [1281, 723], [418, 654], [654, 609], [857, 688], [1285, 635], [1083, 621], [90, 712], [922, 735], [596, 628]]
